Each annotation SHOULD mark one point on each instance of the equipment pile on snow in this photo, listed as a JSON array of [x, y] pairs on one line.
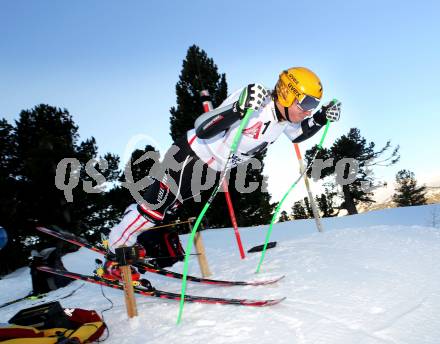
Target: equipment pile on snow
[[50, 323]]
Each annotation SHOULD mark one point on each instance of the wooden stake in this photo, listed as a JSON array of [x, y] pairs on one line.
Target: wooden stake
[[130, 301], [201, 255], [309, 190]]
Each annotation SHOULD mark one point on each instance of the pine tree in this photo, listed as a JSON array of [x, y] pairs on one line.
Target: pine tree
[[8, 169], [137, 168], [40, 139], [355, 147], [326, 203], [407, 192], [250, 208], [9, 201], [308, 208], [45, 135], [198, 73], [283, 216], [298, 211]]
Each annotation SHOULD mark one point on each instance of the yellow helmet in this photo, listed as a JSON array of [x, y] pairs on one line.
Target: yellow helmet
[[301, 84]]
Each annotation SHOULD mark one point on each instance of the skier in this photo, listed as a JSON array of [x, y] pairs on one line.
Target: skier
[[287, 109]]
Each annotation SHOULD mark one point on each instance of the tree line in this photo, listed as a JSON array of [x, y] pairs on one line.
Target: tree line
[[406, 193]]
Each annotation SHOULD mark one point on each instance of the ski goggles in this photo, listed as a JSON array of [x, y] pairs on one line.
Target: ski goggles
[[308, 103]]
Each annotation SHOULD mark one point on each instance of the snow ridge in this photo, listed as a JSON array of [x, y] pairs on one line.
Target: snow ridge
[[370, 278]]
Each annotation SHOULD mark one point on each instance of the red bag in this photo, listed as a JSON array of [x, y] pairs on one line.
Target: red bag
[[53, 322]]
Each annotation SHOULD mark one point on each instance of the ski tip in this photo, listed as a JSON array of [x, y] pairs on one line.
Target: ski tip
[[269, 281], [271, 302], [275, 280], [276, 301], [282, 299]]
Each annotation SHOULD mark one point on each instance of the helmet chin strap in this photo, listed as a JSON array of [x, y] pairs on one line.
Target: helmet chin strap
[[280, 117], [286, 113]]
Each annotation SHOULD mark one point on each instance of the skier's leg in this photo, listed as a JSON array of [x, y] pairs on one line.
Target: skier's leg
[[158, 198], [125, 232]]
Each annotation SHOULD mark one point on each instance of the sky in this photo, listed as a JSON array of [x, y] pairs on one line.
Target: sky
[[114, 66]]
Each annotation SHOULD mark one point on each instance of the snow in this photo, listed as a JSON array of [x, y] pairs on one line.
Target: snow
[[369, 278]]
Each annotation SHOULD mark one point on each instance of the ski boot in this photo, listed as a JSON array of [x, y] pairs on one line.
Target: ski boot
[[146, 284], [124, 256]]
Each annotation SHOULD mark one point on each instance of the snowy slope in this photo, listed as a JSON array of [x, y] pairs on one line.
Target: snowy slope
[[370, 278]]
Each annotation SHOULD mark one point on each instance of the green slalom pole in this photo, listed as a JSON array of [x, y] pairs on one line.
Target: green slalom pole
[[189, 245], [277, 210]]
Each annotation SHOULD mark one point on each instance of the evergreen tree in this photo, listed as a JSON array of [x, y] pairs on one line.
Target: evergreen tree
[[283, 216], [250, 208], [135, 169], [325, 203], [298, 211], [9, 186], [95, 213], [9, 201], [407, 192], [44, 136], [308, 208], [8, 150], [31, 151], [139, 165], [354, 146], [199, 72]]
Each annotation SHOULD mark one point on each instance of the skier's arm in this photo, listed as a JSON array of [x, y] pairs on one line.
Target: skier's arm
[[218, 120], [311, 126]]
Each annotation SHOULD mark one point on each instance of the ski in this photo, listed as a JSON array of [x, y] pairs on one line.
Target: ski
[[152, 292], [34, 297], [145, 265], [27, 297]]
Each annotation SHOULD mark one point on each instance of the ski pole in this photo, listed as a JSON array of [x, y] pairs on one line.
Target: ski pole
[[275, 216], [189, 245], [207, 106]]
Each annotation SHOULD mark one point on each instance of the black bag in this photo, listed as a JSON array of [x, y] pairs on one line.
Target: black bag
[[43, 282], [43, 316], [162, 244], [49, 322]]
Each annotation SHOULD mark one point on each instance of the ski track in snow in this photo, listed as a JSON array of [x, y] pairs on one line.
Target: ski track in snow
[[368, 285]]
